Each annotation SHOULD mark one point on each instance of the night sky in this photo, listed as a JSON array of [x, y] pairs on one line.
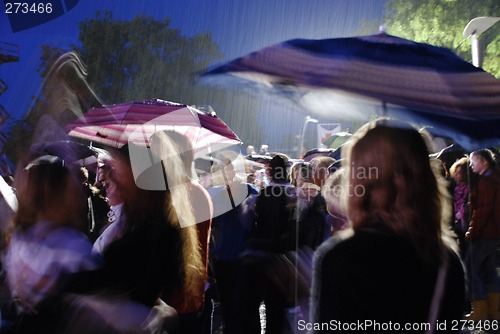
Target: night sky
[[238, 27]]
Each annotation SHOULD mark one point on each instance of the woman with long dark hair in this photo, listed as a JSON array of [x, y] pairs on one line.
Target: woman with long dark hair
[[46, 244], [398, 262]]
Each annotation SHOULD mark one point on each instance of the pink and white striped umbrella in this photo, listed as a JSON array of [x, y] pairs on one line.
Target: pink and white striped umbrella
[[135, 122]]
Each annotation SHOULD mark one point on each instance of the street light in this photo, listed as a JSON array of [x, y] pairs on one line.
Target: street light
[[308, 119], [477, 26]]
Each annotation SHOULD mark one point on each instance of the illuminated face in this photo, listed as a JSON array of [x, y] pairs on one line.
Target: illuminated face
[[459, 175], [478, 164]]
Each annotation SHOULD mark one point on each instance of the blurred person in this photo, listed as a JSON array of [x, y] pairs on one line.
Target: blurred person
[[320, 169], [294, 173], [157, 255], [309, 213], [272, 207], [8, 207], [251, 150], [192, 315], [116, 226], [142, 250], [332, 192], [261, 179], [300, 173], [321, 166], [461, 210], [98, 208], [205, 180], [397, 263], [46, 244], [251, 178], [259, 278], [264, 149], [332, 168], [484, 236], [230, 232]]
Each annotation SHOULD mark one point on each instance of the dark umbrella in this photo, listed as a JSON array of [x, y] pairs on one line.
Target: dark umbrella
[[378, 74], [318, 152], [449, 154], [74, 152]]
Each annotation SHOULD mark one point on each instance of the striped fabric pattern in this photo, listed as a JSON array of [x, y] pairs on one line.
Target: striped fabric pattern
[[385, 74], [116, 125]]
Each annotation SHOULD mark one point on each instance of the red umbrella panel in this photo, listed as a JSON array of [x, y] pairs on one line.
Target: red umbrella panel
[[118, 124], [134, 123]]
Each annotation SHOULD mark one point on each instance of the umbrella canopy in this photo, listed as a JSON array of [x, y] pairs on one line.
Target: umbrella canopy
[[449, 154], [134, 123], [318, 152], [380, 74], [80, 154], [118, 124], [337, 139]]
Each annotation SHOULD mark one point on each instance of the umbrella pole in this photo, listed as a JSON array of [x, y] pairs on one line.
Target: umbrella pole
[[228, 187], [91, 219]]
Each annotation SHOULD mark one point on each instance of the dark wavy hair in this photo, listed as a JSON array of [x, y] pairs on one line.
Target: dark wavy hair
[[394, 185], [278, 168]]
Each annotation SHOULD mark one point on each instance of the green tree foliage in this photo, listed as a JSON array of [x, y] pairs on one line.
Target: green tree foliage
[[142, 58], [146, 58], [442, 22]]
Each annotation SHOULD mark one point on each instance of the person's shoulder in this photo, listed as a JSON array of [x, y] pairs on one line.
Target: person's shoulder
[[496, 175], [252, 189], [490, 180], [69, 240], [335, 244]]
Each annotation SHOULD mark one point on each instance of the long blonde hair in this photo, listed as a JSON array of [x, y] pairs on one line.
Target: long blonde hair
[[179, 212], [391, 182]]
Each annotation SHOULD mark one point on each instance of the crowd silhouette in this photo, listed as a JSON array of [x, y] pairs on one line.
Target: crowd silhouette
[[385, 233]]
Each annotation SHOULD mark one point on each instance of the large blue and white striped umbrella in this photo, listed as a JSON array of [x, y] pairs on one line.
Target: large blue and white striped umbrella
[[360, 77]]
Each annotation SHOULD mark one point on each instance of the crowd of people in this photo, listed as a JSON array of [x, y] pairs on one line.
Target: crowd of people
[[384, 234]]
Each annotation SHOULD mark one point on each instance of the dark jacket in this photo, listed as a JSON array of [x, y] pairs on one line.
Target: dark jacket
[[485, 222], [145, 262], [274, 209], [375, 276]]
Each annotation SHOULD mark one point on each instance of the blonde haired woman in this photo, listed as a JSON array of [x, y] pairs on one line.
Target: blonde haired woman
[[396, 262], [157, 254], [195, 207]]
